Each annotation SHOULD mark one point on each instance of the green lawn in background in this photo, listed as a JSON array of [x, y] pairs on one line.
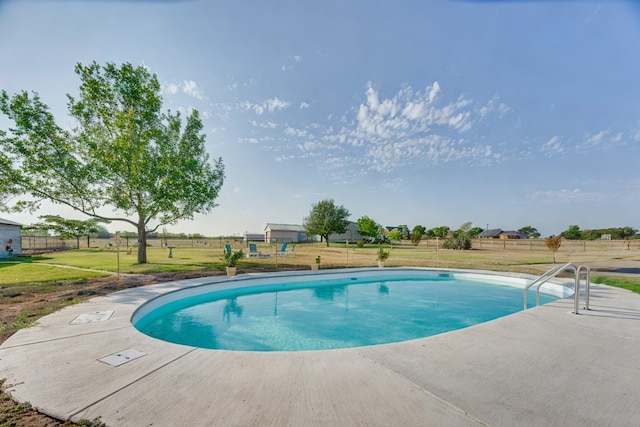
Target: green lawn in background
[[18, 273]]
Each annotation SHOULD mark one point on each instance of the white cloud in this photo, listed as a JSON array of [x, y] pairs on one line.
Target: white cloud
[[171, 88], [191, 88], [597, 138], [552, 146], [616, 138], [433, 92], [564, 196], [264, 125], [275, 104], [269, 105], [188, 87], [295, 132], [304, 105]]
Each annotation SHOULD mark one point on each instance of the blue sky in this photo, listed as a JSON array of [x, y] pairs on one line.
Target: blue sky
[[501, 113]]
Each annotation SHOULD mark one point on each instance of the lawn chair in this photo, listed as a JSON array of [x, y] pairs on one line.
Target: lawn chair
[[253, 251], [283, 250]]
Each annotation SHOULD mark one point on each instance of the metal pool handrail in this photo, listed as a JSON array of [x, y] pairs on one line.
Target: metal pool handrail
[[553, 273]]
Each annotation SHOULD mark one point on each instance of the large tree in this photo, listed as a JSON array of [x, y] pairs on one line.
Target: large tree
[[367, 227], [326, 219], [124, 154]]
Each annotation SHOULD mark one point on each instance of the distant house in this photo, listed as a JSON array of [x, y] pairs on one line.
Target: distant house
[[494, 233], [284, 233], [497, 233], [10, 238], [511, 235]]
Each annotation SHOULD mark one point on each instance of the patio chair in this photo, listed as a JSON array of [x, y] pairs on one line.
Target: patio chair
[[283, 250], [253, 251]]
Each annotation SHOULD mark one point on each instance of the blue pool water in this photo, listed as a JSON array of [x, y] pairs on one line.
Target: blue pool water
[[330, 313]]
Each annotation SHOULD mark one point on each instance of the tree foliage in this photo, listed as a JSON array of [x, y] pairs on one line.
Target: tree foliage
[[395, 235], [531, 232], [461, 238], [70, 228], [553, 244], [475, 231], [572, 233], [442, 232], [367, 227], [124, 153], [325, 219], [616, 233], [417, 233]]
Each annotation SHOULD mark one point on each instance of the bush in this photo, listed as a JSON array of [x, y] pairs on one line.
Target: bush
[[457, 242], [383, 254]]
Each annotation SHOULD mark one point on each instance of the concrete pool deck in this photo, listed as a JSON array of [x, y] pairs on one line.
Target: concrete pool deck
[[543, 366]]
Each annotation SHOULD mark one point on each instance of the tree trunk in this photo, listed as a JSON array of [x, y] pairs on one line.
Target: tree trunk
[[326, 239], [88, 242], [142, 243]]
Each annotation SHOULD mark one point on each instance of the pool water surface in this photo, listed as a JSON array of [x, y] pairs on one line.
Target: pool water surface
[[331, 313]]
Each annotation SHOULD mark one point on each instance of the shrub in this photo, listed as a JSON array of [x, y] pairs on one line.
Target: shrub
[[383, 254]]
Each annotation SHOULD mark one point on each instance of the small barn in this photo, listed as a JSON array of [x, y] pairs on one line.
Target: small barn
[[253, 237], [351, 234], [284, 233], [10, 238]]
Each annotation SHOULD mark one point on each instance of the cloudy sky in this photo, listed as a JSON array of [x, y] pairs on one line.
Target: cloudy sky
[[501, 113]]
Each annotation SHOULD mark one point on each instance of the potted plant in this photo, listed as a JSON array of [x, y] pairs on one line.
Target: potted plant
[[317, 264], [231, 260], [383, 254]]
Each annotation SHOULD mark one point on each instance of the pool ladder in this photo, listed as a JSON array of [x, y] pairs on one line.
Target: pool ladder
[[577, 272]]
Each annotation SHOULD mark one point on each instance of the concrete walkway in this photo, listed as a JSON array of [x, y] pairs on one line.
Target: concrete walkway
[[541, 367]]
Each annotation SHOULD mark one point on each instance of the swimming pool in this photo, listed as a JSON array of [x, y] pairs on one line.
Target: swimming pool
[[332, 310]]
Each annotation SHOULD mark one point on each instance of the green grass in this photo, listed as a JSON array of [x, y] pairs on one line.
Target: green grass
[[624, 283], [184, 259], [17, 274]]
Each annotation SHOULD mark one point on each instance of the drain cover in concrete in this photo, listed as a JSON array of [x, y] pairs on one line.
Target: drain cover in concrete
[[96, 316], [122, 357]]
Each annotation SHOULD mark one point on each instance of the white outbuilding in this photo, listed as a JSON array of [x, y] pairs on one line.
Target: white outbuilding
[[10, 238]]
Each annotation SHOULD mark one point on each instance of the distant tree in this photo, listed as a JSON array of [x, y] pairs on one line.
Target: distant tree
[[124, 153], [475, 231], [404, 230], [625, 233], [572, 233], [35, 230], [70, 228], [441, 232], [417, 233], [461, 238], [326, 219], [367, 227], [395, 235], [553, 244], [529, 231]]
